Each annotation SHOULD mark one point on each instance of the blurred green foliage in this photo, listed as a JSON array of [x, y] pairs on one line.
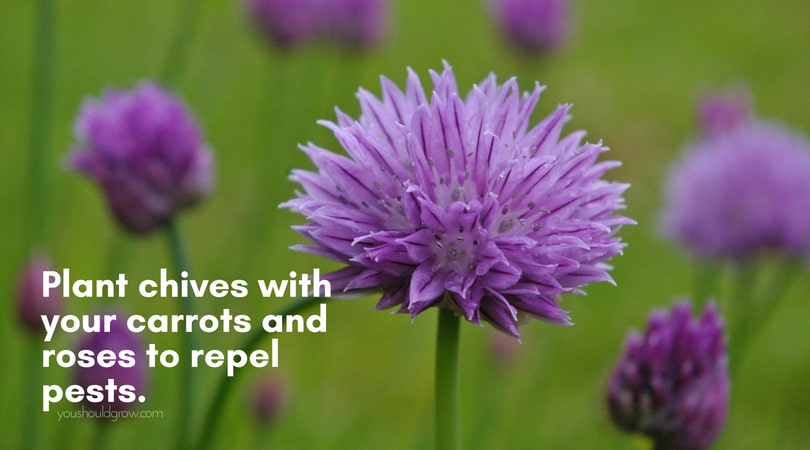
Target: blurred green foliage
[[632, 70]]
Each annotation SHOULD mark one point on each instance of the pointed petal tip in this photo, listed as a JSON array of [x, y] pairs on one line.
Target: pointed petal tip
[[539, 88], [563, 108]]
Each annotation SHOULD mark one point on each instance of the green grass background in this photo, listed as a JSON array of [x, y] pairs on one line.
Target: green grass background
[[632, 71]]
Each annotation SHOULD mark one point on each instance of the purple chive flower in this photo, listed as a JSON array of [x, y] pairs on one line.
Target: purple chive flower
[[118, 338], [285, 23], [534, 26], [145, 150], [31, 304], [457, 202], [742, 192], [724, 112], [672, 383], [354, 23], [267, 401]]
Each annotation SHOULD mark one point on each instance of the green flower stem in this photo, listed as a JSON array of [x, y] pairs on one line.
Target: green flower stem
[[33, 383], [188, 307], [38, 139], [756, 310], [41, 118], [223, 390], [742, 302], [707, 278], [184, 29], [101, 435], [330, 67], [447, 389], [280, 85], [777, 288]]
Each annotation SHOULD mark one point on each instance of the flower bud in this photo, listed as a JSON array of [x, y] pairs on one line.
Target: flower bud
[[672, 382], [31, 304], [267, 400], [723, 112]]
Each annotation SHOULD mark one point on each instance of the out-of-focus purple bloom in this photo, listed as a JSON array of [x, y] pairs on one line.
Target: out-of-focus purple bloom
[[355, 23], [286, 23], [31, 304], [739, 193], [458, 203], [350, 23], [724, 112], [146, 152], [672, 383], [267, 400], [534, 26], [118, 339]]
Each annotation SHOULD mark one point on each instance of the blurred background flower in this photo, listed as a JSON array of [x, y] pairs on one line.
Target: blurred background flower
[[355, 23], [31, 303], [129, 370], [348, 23], [287, 24], [739, 193], [267, 400], [145, 151], [723, 112], [536, 27]]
